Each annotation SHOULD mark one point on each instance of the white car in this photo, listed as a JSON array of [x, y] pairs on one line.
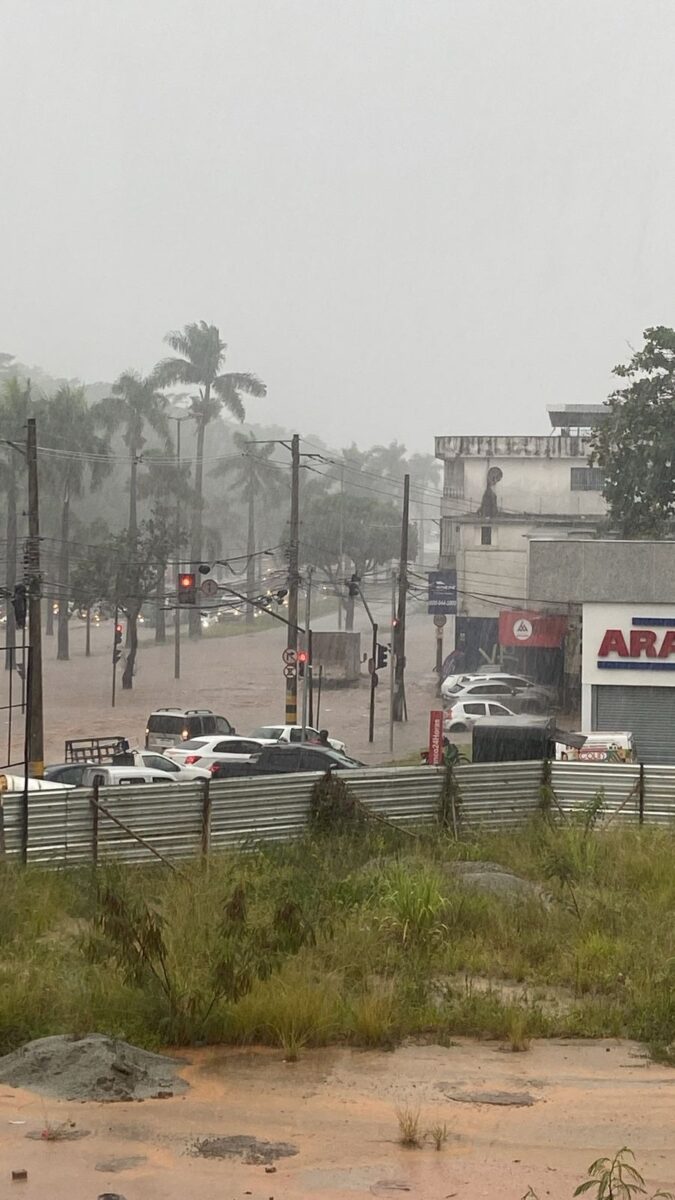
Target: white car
[[204, 751], [269, 734], [162, 762], [465, 713]]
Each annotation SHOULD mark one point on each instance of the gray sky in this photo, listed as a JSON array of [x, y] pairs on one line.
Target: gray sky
[[409, 217]]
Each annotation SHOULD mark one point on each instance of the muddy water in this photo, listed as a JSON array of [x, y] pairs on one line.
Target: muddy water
[[337, 1108]]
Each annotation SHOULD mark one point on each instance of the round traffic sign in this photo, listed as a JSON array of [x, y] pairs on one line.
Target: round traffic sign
[[440, 620], [290, 656], [209, 587], [523, 629], [289, 672]]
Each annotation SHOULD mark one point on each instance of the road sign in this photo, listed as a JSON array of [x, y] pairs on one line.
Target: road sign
[[440, 620], [209, 588], [442, 593], [289, 672], [290, 656]]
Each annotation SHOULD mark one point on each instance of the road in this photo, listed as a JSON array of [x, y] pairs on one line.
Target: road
[[238, 676]]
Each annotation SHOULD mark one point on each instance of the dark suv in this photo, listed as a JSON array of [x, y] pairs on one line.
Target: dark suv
[[276, 760]]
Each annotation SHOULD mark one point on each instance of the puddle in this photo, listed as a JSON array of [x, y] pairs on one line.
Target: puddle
[[248, 1149]]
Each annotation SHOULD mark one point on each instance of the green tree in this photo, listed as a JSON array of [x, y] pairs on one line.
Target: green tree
[[69, 429], [135, 406], [15, 407], [634, 443], [167, 484], [85, 586], [253, 478], [367, 530], [200, 358]]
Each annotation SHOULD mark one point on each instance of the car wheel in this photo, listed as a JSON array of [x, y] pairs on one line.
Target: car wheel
[[457, 727]]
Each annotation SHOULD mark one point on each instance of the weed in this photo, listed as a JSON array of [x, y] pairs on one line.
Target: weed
[[616, 1179], [438, 1134], [517, 1033], [370, 1018], [409, 1127], [413, 905], [333, 808]]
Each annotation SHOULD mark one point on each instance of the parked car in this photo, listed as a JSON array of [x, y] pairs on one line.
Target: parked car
[[525, 700], [276, 760], [519, 683], [293, 733], [171, 726], [106, 775], [465, 713], [162, 762], [69, 773], [205, 751]]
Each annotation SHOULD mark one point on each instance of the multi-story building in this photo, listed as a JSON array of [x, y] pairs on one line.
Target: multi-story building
[[499, 492]]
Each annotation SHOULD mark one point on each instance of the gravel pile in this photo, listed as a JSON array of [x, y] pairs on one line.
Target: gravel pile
[[95, 1067]]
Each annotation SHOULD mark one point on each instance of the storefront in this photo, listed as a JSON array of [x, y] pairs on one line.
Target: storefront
[[628, 674]]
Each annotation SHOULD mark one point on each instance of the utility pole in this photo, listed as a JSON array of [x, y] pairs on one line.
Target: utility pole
[[293, 578], [342, 539], [400, 708], [177, 610], [308, 640], [392, 664], [114, 658], [34, 718]]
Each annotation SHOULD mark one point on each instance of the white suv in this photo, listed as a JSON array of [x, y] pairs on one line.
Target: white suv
[[465, 713]]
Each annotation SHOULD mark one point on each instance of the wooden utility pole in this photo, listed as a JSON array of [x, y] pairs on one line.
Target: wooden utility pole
[[293, 579], [400, 709], [34, 719]]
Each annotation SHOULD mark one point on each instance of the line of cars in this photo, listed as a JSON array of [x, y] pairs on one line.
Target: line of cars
[[487, 694]]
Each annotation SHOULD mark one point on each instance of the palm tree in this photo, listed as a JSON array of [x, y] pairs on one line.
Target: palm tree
[[69, 424], [136, 404], [202, 357], [14, 410], [253, 477], [167, 484]]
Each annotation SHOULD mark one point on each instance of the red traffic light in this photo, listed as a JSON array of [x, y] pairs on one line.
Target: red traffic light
[[303, 656], [187, 581], [119, 629]]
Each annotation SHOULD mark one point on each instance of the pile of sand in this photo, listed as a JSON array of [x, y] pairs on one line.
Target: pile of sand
[[95, 1067]]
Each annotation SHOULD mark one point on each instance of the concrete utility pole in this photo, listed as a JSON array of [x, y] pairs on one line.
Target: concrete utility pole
[[34, 718], [308, 642], [293, 579], [392, 664], [400, 708], [176, 611]]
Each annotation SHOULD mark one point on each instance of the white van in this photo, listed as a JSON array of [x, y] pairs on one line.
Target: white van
[[600, 746], [113, 776]]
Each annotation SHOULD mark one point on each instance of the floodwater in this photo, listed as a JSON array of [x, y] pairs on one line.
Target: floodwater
[[338, 1108]]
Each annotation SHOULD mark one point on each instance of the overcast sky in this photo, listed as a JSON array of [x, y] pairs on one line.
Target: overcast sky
[[409, 217]]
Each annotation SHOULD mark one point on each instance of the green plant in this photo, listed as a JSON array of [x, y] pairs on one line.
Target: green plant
[[409, 1127], [333, 808], [370, 1018], [616, 1179], [413, 904], [517, 1032]]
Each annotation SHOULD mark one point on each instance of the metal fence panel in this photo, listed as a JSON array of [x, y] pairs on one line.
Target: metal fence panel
[[576, 784], [659, 795], [495, 796], [169, 818]]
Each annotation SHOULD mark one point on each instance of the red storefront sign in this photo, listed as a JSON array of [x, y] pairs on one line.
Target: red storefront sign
[[525, 628], [436, 717]]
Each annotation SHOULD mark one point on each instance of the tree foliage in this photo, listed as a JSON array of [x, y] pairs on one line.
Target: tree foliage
[[367, 529], [634, 444]]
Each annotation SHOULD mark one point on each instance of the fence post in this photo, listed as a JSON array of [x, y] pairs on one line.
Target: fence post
[[94, 825], [641, 794], [206, 819]]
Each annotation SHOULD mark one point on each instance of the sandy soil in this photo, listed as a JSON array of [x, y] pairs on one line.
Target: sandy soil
[[338, 1107], [240, 677]]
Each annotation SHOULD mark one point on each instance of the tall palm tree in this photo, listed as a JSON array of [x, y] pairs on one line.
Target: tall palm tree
[[136, 404], [167, 484], [15, 401], [202, 357], [253, 477], [67, 423]]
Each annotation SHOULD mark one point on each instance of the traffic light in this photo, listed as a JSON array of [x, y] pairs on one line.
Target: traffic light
[[187, 589], [19, 605], [117, 653], [382, 656], [353, 586], [302, 660]]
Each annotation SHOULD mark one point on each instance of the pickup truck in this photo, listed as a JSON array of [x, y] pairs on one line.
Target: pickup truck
[[278, 759]]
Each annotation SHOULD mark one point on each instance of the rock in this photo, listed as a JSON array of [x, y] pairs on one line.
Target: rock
[[512, 1099], [250, 1149], [495, 880], [90, 1068]]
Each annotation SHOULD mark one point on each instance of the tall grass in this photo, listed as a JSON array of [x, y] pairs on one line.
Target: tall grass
[[351, 937]]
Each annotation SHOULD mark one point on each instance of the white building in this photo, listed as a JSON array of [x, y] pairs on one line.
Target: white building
[[500, 492]]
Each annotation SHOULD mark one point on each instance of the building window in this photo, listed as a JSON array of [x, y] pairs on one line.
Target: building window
[[586, 479], [486, 535]]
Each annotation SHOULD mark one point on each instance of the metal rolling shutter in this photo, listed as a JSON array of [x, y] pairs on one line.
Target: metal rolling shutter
[[647, 712]]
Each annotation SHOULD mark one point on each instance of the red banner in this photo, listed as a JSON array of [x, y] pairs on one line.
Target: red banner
[[436, 717], [525, 628]]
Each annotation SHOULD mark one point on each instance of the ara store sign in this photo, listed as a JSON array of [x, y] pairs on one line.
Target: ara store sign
[[442, 593], [629, 644]]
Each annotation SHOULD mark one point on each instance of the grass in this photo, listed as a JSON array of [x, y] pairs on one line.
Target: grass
[[409, 1133], [354, 938]]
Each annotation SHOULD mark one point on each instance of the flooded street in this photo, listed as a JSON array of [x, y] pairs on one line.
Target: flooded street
[[533, 1119]]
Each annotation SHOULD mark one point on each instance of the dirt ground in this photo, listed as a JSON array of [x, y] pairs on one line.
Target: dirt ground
[[240, 677], [338, 1109]]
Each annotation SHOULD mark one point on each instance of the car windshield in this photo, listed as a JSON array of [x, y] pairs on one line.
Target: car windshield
[[268, 731]]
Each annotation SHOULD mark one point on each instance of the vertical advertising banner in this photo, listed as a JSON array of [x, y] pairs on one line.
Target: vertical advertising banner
[[436, 717]]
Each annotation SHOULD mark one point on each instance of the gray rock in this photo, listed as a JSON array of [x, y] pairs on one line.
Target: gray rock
[[90, 1068], [494, 880], [511, 1099]]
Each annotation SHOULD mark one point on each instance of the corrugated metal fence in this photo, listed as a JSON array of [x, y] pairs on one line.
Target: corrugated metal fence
[[139, 824]]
